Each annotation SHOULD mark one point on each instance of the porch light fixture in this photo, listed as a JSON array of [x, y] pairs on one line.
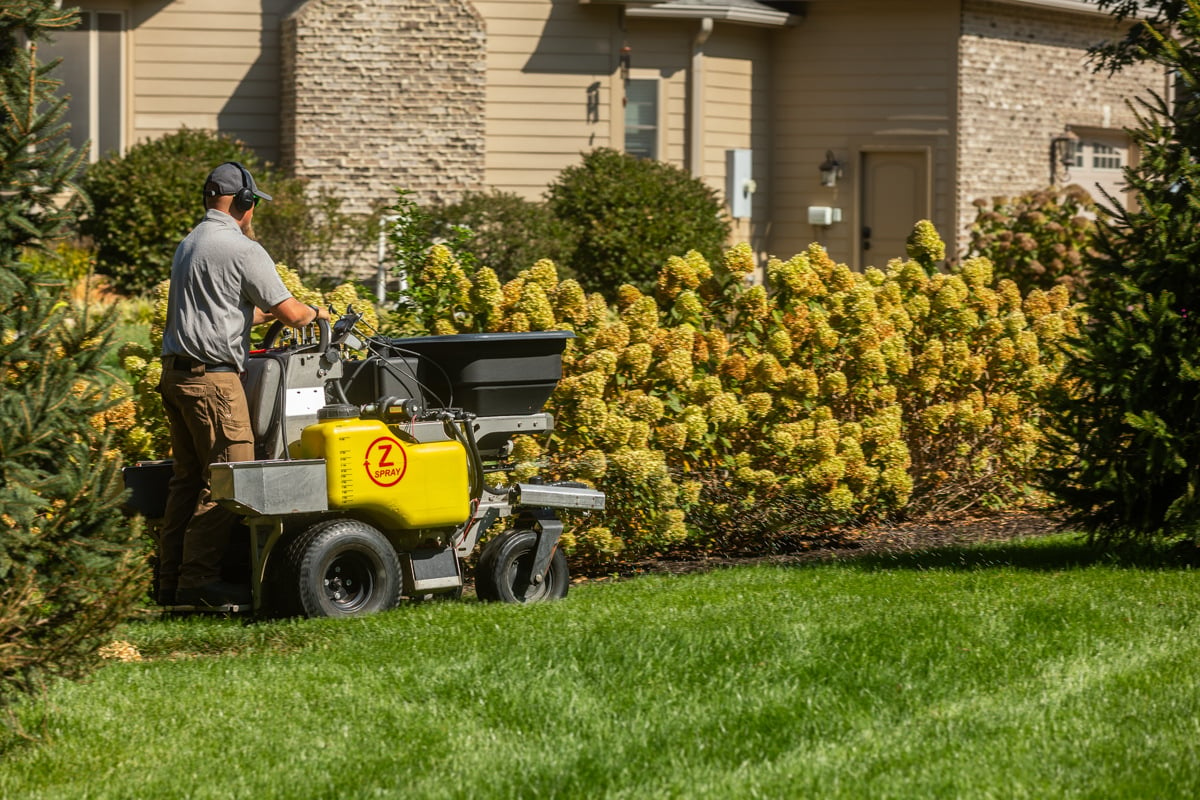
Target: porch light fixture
[[1062, 155], [831, 170], [625, 61]]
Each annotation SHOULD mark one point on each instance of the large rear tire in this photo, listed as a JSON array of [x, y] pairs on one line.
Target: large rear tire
[[343, 568], [504, 572]]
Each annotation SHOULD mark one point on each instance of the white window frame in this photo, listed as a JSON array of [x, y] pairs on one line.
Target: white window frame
[[657, 128], [98, 95]]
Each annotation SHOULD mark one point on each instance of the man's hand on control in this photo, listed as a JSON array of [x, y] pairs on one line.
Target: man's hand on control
[[296, 314]]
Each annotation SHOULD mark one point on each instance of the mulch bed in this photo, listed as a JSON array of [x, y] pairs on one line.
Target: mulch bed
[[840, 543]]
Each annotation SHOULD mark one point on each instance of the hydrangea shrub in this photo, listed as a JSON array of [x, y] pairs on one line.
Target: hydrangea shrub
[[842, 395], [1040, 239]]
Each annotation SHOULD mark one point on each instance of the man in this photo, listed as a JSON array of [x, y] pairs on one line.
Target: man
[[222, 283]]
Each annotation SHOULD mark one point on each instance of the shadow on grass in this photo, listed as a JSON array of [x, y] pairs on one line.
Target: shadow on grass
[[1050, 554]]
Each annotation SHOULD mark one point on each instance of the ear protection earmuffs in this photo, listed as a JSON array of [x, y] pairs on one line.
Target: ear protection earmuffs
[[243, 198]]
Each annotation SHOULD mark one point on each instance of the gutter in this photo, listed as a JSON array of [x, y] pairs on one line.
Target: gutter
[[696, 100], [765, 16]]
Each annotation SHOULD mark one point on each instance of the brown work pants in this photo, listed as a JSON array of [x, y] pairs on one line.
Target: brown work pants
[[209, 423]]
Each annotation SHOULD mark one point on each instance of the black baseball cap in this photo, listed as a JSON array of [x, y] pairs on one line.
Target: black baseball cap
[[230, 178]]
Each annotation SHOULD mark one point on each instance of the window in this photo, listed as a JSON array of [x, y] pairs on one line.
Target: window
[[1095, 155], [1098, 162], [641, 118], [1105, 156], [93, 74]]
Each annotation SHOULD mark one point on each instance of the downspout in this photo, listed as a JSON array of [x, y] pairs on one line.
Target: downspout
[[696, 100]]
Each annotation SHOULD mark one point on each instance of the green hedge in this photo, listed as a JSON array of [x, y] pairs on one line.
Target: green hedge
[[630, 215]]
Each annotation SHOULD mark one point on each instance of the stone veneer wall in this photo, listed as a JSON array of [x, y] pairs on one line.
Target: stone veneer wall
[[384, 94], [1023, 77]]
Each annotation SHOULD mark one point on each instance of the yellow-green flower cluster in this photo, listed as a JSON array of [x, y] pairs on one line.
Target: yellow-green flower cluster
[[442, 270], [682, 274], [486, 295], [739, 260], [925, 246]]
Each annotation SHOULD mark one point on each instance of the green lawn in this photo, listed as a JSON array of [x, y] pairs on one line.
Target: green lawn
[[1027, 670]]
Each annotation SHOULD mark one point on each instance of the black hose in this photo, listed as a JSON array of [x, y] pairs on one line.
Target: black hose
[[399, 376], [476, 460]]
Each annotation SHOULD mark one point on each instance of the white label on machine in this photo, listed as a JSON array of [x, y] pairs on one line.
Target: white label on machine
[[305, 401]]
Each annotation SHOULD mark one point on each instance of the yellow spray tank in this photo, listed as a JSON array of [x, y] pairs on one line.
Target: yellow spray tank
[[385, 475]]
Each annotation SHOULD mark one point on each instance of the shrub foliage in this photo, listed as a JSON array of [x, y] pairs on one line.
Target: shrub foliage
[[147, 200], [504, 231], [1038, 240], [839, 395], [630, 215]]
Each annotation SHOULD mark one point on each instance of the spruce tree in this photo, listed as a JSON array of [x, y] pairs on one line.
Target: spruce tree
[[1127, 426], [69, 561]]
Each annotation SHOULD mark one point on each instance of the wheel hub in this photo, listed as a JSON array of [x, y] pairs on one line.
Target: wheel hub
[[348, 581]]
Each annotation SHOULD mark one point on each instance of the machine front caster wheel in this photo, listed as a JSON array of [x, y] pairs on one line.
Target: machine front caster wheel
[[504, 571]]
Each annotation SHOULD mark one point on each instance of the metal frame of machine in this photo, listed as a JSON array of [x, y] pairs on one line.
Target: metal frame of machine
[[334, 529]]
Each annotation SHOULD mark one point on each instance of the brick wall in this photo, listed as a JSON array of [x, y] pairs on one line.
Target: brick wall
[[384, 94], [1023, 77]]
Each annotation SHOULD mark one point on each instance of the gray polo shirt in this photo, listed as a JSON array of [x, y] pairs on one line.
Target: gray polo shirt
[[218, 278]]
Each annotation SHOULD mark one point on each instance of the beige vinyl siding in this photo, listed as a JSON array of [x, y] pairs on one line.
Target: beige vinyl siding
[[736, 115], [542, 59], [852, 76], [211, 64], [675, 107], [664, 49]]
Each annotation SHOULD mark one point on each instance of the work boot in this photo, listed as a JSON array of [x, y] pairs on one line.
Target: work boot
[[216, 593]]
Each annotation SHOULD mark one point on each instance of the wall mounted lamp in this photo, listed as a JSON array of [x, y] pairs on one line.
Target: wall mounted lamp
[[831, 170], [625, 61], [1062, 155]]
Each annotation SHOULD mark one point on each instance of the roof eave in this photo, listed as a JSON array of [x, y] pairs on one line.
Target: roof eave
[[1073, 6]]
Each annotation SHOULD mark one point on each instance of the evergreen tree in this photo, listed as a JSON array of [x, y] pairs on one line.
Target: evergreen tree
[[37, 162], [69, 562], [1128, 424]]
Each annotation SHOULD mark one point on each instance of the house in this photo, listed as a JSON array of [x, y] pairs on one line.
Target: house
[[913, 109]]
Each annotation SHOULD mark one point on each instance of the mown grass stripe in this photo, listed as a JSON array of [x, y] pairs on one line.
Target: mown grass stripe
[[987, 673]]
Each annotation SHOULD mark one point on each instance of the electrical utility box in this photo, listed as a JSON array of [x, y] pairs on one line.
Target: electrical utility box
[[739, 182], [823, 216]]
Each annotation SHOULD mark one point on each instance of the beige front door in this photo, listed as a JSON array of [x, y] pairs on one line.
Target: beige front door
[[895, 195]]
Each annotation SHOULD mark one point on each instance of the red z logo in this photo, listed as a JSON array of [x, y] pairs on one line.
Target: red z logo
[[385, 461]]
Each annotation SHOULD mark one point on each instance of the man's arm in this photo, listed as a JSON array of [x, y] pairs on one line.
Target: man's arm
[[291, 312]]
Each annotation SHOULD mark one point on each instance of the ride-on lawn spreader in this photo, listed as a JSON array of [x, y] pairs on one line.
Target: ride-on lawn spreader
[[370, 482]]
